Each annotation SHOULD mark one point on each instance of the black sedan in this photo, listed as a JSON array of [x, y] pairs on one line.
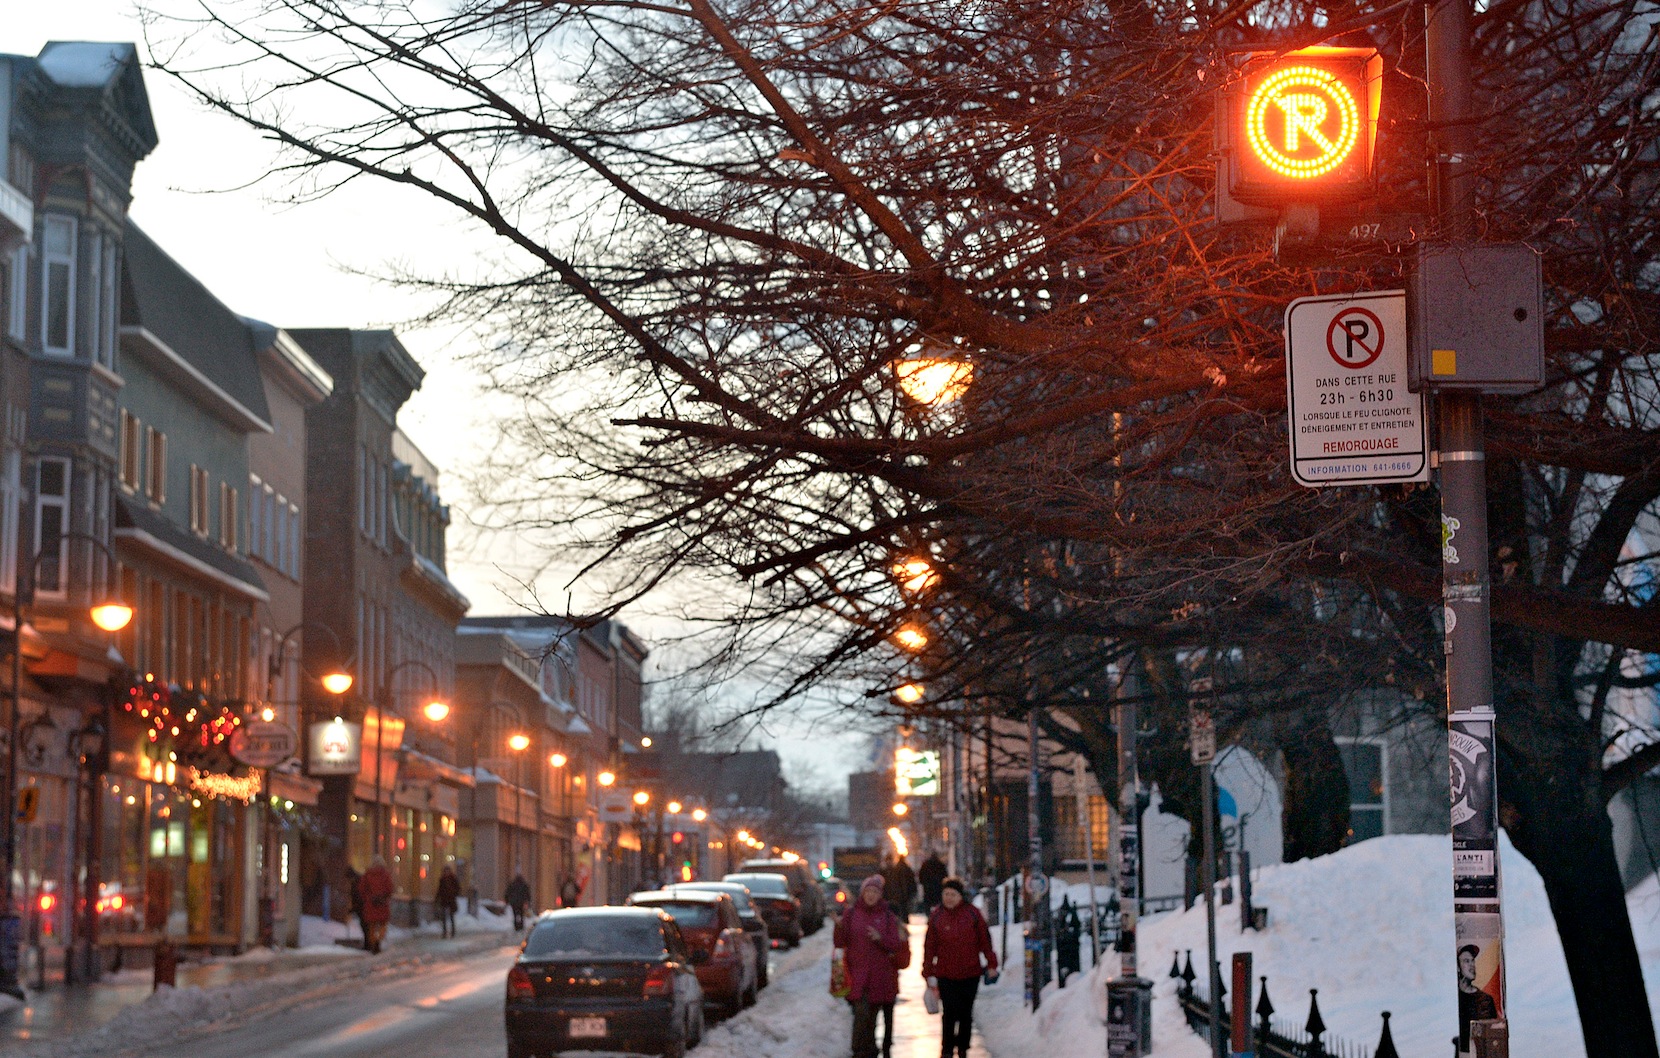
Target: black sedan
[[604, 979], [778, 906]]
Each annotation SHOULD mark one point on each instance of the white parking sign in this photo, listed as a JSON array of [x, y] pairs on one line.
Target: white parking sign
[[1352, 419]]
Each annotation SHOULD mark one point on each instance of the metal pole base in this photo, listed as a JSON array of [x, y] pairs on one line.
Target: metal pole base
[[1129, 1017]]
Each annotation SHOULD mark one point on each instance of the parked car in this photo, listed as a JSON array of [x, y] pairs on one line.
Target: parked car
[[748, 913], [803, 884], [604, 979], [710, 923], [838, 895], [780, 908]]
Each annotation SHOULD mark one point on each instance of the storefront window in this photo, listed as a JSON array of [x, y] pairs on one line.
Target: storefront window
[[361, 838]]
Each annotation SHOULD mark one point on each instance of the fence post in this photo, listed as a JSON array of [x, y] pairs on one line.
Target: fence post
[[1240, 1023], [1187, 977], [1316, 1025], [1265, 1014], [1386, 1042]]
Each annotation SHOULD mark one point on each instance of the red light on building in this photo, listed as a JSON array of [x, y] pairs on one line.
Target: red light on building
[[677, 837], [47, 902]]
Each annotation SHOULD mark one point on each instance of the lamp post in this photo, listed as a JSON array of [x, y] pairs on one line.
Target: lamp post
[[518, 742], [111, 615], [385, 696]]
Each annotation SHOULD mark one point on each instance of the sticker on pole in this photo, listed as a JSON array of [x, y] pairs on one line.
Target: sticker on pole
[[1352, 419]]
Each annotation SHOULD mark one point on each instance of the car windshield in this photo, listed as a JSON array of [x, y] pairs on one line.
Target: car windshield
[[764, 884], [692, 915], [595, 937]]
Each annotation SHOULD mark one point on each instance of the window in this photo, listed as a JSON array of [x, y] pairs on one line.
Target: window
[[107, 298], [280, 555], [228, 510], [198, 500], [52, 479], [15, 290], [155, 481], [256, 509], [11, 494], [1364, 764], [294, 540], [95, 314], [131, 459], [57, 289], [270, 501]]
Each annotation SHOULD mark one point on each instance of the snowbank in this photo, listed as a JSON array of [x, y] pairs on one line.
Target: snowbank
[[1371, 928]]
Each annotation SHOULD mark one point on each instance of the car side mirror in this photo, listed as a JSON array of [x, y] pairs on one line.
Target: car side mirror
[[699, 957]]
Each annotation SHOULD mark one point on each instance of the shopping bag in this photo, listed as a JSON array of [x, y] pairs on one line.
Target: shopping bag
[[840, 986], [931, 1000]]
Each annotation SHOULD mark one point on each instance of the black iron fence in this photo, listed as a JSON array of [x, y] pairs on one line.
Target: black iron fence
[[1277, 1037]]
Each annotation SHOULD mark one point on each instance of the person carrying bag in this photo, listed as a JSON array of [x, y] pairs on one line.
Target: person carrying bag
[[957, 941], [873, 943]]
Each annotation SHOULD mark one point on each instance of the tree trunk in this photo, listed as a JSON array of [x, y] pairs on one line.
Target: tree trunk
[[1574, 853], [1316, 811]]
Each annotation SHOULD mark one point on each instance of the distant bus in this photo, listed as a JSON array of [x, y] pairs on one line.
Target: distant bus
[[854, 864]]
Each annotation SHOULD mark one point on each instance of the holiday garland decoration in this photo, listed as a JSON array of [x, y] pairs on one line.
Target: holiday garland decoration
[[198, 730]]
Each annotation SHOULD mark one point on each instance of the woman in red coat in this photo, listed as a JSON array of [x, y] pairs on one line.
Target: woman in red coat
[[957, 940], [376, 887], [872, 938]]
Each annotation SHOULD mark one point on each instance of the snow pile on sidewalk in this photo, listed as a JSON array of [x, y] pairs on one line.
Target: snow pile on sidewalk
[[1370, 927], [795, 1017]]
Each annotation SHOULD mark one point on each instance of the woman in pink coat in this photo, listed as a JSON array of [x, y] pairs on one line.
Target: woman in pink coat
[[873, 942]]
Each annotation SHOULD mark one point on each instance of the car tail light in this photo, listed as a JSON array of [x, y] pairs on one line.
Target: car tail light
[[518, 984], [660, 981]]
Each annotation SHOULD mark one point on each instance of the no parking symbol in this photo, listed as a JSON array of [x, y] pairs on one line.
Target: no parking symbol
[[1355, 337]]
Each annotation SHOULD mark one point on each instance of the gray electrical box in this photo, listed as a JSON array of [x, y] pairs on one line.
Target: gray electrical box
[[1475, 318]]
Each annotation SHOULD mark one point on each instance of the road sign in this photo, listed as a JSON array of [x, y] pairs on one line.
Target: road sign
[[264, 743], [1351, 417], [1301, 126], [28, 803], [1201, 733]]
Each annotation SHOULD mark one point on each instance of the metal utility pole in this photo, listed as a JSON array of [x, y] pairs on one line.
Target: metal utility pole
[[1037, 887], [1477, 917], [1202, 742], [1129, 995]]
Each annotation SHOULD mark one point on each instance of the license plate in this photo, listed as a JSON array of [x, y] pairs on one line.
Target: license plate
[[587, 1028]]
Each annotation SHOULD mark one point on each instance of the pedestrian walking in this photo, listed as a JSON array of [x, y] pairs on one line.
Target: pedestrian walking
[[874, 949], [899, 887], [376, 889], [956, 942], [518, 898], [569, 892], [448, 899], [931, 875]]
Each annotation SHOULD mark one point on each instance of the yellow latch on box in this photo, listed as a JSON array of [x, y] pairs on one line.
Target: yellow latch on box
[[1443, 361]]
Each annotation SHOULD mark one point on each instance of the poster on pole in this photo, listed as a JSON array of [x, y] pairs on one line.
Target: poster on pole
[[1351, 418], [1475, 817]]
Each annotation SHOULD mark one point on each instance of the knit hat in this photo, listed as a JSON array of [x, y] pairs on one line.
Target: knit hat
[[875, 881], [954, 883]]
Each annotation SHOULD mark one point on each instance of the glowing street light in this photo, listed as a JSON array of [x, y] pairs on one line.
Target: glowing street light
[[518, 743], [909, 693], [900, 808], [607, 778], [915, 574], [699, 815], [436, 711], [645, 742], [674, 807], [558, 760], [933, 381], [743, 836], [337, 682], [112, 615], [642, 798], [911, 637]]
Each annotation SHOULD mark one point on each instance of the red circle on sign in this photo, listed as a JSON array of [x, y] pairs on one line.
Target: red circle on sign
[[1355, 338]]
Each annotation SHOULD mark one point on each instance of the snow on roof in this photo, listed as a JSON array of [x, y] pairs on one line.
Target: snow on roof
[[83, 64]]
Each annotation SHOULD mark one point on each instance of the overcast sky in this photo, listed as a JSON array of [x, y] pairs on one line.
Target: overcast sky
[[197, 196]]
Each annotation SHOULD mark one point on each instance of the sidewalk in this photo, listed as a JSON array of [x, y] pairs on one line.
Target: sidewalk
[[916, 1033], [61, 1011]]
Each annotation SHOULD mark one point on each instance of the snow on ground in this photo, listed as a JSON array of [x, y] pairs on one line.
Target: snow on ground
[[795, 1017], [1370, 927]]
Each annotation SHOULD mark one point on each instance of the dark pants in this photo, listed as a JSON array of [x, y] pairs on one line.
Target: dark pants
[[446, 919], [518, 917], [864, 1028], [957, 1011]]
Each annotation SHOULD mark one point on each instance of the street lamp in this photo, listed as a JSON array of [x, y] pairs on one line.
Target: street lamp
[[911, 637], [642, 798], [335, 681], [699, 815], [607, 778], [558, 760], [933, 381], [436, 711], [909, 693], [518, 742], [110, 614], [382, 700], [673, 808]]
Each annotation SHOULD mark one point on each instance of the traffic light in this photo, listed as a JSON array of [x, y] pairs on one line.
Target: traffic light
[[677, 837], [1298, 127]]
